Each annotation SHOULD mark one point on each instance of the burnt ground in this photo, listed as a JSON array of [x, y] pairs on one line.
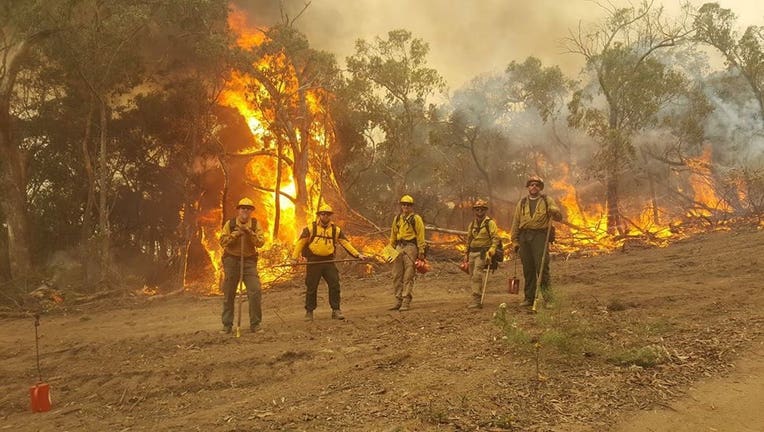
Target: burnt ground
[[637, 339]]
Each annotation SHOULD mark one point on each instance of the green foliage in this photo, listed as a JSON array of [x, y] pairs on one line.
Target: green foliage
[[513, 333], [647, 356], [542, 88], [155, 67], [386, 110], [715, 26]]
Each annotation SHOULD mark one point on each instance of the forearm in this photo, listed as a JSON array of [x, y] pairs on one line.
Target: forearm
[[349, 247]]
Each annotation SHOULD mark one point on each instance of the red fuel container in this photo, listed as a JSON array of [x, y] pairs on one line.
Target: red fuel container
[[39, 396], [514, 285]]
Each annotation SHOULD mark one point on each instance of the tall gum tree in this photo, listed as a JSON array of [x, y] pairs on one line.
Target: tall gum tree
[[22, 26], [630, 85], [715, 26], [291, 84], [101, 50], [392, 83]]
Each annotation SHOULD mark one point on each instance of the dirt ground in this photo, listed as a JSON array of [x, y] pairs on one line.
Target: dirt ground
[[644, 339]]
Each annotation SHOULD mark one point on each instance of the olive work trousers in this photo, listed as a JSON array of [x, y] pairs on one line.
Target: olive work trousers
[[231, 268], [403, 270], [477, 273], [532, 247], [313, 275]]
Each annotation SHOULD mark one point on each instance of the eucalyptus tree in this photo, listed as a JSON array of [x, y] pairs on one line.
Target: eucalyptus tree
[[290, 85], [484, 119], [390, 82], [101, 49], [23, 25], [629, 87], [715, 26]]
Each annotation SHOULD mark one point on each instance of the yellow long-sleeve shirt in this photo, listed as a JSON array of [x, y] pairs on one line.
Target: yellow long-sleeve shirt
[[539, 219], [408, 229], [322, 244], [483, 234], [230, 238]]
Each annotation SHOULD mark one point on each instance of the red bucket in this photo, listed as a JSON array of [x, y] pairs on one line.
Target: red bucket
[[39, 395], [514, 285]]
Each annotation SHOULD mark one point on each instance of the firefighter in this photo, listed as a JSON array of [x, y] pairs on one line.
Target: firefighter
[[317, 243], [533, 217], [240, 239], [407, 237], [482, 242]]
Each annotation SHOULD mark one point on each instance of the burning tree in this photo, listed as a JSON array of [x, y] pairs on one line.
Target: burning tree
[[631, 87], [282, 90]]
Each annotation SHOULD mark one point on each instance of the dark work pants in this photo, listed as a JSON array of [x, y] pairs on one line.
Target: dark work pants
[[532, 246], [231, 266], [313, 276]]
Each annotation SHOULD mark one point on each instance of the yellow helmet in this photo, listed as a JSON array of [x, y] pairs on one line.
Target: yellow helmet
[[480, 203], [407, 199], [535, 179], [324, 208], [246, 203]]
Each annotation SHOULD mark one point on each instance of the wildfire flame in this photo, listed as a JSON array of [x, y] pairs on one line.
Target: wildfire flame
[[254, 101]]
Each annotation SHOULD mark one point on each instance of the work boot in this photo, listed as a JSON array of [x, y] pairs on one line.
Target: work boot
[[475, 303], [308, 315], [406, 305], [526, 303], [397, 305], [254, 328], [226, 329], [337, 314]]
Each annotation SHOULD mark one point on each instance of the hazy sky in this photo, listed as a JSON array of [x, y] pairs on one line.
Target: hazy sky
[[466, 37]]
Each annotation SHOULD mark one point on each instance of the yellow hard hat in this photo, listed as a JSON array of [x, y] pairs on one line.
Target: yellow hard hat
[[407, 199], [324, 208], [246, 203], [535, 179], [480, 203]]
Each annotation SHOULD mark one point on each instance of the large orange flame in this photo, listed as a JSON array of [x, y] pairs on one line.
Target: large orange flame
[[254, 101]]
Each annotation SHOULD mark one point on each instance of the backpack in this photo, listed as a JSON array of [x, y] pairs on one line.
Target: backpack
[[498, 256], [546, 203], [306, 252]]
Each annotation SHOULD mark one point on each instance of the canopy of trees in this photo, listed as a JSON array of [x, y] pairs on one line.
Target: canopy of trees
[[117, 145]]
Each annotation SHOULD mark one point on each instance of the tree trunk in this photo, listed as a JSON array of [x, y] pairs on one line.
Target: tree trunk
[[103, 208], [12, 178], [87, 215], [613, 218]]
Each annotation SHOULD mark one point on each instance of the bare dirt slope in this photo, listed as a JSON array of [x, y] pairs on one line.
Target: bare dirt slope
[[633, 332]]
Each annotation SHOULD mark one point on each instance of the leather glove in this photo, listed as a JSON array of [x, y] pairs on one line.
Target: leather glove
[[361, 257], [489, 254]]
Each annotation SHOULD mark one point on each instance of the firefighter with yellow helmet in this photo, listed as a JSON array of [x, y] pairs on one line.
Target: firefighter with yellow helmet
[[530, 224], [317, 244], [482, 242], [240, 239], [407, 237]]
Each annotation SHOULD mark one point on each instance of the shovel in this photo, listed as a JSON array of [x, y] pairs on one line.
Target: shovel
[[541, 268], [514, 282], [39, 394], [485, 281], [240, 288]]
